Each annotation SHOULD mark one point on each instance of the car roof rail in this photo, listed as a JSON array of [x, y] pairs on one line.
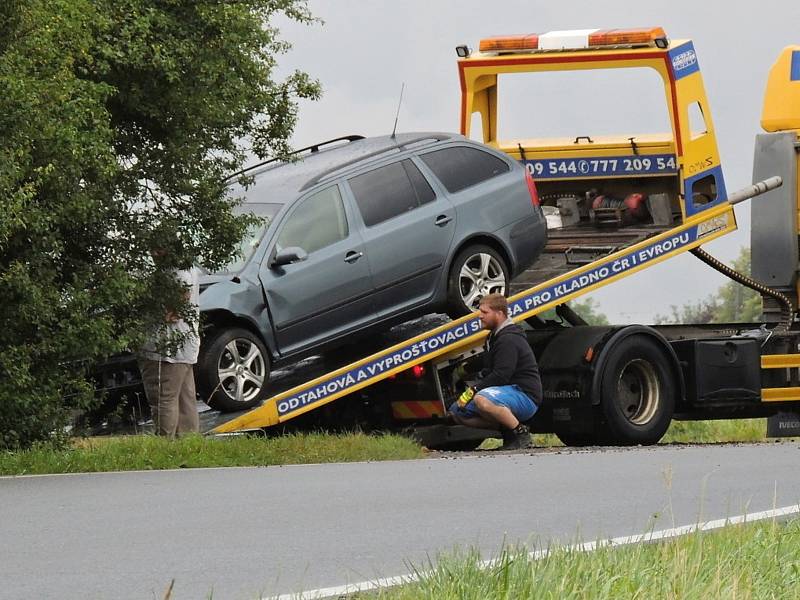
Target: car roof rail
[[416, 142], [311, 149]]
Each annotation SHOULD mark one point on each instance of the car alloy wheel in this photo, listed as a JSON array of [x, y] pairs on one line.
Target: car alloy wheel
[[242, 370], [480, 275]]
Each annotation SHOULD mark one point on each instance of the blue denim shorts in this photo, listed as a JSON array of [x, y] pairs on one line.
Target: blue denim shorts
[[510, 396]]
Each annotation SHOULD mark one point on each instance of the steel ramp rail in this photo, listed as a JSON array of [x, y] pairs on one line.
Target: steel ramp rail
[[466, 332]]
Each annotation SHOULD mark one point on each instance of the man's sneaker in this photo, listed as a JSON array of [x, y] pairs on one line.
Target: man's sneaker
[[516, 439]]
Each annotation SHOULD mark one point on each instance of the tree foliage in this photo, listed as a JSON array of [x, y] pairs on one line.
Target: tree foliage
[[732, 303], [119, 120]]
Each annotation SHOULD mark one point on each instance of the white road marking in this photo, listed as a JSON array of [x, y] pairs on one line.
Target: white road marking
[[653, 536]]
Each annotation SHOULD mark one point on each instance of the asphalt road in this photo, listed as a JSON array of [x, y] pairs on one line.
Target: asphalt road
[[244, 532]]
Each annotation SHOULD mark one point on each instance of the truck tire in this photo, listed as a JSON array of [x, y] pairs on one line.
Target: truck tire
[[232, 370], [477, 270], [638, 392]]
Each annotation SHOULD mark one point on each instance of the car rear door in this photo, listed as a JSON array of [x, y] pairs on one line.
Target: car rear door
[[408, 229], [328, 294]]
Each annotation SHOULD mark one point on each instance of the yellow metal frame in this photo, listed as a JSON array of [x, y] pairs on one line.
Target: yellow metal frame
[[696, 154], [780, 361], [790, 394]]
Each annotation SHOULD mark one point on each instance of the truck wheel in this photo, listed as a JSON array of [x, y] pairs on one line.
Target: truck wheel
[[637, 392], [477, 271], [232, 370]]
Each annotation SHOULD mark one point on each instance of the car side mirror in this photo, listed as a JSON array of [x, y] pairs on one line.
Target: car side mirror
[[289, 255]]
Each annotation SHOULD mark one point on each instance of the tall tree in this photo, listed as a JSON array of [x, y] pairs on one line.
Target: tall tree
[[119, 120], [732, 303]]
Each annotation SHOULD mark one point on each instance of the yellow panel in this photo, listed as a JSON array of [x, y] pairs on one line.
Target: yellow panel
[[700, 153], [781, 110], [264, 416], [780, 394], [780, 361], [700, 150]]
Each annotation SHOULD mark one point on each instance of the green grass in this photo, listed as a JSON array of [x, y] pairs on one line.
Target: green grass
[[740, 430], [145, 452], [742, 561], [148, 452], [682, 432]]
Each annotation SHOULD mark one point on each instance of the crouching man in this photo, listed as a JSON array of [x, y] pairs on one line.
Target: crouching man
[[509, 389]]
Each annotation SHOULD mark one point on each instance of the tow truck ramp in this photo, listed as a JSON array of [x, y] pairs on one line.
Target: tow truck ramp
[[466, 332]]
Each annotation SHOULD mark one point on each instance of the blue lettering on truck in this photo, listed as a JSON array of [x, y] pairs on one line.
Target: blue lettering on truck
[[601, 166], [379, 366]]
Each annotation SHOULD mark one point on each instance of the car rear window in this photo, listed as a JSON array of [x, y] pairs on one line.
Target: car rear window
[[460, 167], [390, 191]]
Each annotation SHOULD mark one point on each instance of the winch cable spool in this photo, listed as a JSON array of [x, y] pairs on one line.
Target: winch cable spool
[[787, 313], [633, 204]]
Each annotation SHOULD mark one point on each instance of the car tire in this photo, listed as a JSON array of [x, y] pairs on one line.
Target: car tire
[[637, 392], [477, 270], [233, 370]]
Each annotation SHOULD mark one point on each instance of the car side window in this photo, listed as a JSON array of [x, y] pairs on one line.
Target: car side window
[[460, 167], [319, 221], [389, 191]]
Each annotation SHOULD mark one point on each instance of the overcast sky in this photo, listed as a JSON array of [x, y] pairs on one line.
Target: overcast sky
[[365, 50]]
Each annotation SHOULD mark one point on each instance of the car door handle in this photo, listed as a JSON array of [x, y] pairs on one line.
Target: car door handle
[[442, 220], [352, 256]]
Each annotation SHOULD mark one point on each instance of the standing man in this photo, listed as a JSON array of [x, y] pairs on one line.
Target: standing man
[[509, 388], [168, 375]]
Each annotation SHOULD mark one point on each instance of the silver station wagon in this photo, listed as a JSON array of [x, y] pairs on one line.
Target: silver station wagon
[[360, 234]]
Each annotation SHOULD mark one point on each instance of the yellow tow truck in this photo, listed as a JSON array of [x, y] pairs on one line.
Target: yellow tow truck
[[616, 205]]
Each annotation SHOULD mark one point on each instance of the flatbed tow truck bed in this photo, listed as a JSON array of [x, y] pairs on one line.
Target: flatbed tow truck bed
[[576, 245]]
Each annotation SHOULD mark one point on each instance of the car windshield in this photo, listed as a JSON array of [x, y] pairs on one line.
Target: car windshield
[[249, 243]]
